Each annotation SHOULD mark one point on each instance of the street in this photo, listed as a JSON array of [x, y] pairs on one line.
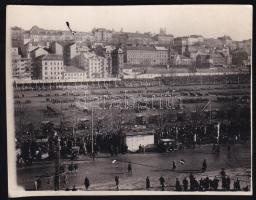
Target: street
[[102, 170]]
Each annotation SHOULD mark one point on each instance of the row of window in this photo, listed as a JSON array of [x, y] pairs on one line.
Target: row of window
[[52, 78], [53, 68], [53, 63], [55, 73], [74, 74]]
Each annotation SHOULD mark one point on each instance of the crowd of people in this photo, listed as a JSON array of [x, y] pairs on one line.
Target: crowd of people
[[221, 182], [191, 134], [113, 143]]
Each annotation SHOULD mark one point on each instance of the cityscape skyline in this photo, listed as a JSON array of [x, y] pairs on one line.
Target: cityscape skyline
[[223, 17]]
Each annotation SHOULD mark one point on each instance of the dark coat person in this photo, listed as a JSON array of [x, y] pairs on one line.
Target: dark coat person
[[147, 183], [173, 165], [177, 185], [129, 168], [162, 181], [185, 184], [117, 182], [86, 183]]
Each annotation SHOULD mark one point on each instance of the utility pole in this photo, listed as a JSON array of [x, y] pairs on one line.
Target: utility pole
[[92, 135], [57, 165]]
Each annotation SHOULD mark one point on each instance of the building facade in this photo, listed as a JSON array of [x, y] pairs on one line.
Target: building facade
[[117, 62], [48, 67], [74, 73], [95, 66], [21, 67], [102, 35], [203, 61], [147, 55], [219, 60]]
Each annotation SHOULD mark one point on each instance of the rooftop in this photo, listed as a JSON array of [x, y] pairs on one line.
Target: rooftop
[[140, 48], [161, 48], [138, 35], [73, 69], [50, 57], [149, 48]]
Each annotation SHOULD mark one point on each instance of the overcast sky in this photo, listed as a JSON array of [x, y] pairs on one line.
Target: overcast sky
[[209, 21]]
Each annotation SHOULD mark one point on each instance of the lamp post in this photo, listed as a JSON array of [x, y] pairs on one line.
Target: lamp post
[[92, 136], [57, 165]]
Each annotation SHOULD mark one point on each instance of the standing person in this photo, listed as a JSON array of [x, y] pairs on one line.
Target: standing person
[[177, 185], [224, 182], [129, 168], [173, 165], [117, 182], [86, 183], [228, 183], [147, 183], [162, 181], [207, 183], [185, 184], [191, 181], [237, 185], [204, 166], [216, 183], [140, 148], [201, 185]]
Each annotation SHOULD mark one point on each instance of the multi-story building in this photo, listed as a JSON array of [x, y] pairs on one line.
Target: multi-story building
[[56, 48], [203, 61], [39, 51], [187, 43], [219, 60], [69, 52], [108, 56], [82, 48], [226, 40], [75, 73], [117, 62], [48, 67], [95, 66], [147, 55], [27, 48], [102, 35], [21, 67], [195, 39], [164, 39], [180, 44], [17, 36], [119, 38], [138, 39], [238, 56], [182, 61]]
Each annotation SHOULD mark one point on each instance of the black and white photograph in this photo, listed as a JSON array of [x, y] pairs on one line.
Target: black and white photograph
[[120, 100]]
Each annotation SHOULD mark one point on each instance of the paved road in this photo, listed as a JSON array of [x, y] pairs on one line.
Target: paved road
[[102, 171]]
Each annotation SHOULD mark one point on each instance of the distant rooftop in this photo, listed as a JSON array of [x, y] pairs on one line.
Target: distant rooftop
[[149, 48], [161, 48], [50, 57], [73, 69]]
